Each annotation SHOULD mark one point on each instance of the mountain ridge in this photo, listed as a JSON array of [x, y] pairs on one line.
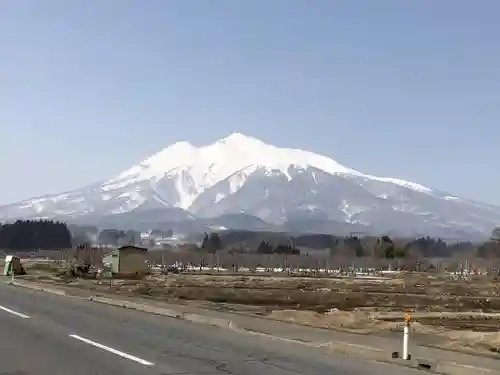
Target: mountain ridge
[[242, 174], [242, 145]]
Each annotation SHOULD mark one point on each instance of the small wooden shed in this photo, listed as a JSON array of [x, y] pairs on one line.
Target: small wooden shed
[[127, 260]]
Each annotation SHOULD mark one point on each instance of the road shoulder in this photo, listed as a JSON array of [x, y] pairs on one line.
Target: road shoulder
[[364, 346]]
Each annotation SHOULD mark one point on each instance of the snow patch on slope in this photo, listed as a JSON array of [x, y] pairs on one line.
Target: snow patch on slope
[[403, 183]]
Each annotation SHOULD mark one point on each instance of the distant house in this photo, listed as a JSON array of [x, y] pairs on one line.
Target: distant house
[[127, 260]]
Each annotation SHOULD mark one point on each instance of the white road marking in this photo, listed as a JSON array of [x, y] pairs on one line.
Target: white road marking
[[14, 312], [114, 351]]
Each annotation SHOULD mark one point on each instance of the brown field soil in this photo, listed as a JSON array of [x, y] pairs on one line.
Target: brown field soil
[[414, 292]]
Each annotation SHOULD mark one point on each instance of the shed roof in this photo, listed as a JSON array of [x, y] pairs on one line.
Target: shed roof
[[124, 248], [129, 247]]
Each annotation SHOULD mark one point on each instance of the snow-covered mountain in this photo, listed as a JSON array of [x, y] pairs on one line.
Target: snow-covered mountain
[[241, 174]]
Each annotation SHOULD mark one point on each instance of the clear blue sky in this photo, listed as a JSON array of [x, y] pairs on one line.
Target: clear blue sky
[[407, 89]]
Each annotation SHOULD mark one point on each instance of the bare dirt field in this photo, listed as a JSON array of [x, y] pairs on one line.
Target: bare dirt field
[[456, 313]]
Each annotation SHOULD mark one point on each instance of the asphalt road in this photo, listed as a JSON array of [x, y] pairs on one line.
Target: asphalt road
[[44, 334]]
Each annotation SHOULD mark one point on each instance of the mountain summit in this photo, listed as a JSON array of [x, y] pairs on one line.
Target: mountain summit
[[240, 174], [234, 158]]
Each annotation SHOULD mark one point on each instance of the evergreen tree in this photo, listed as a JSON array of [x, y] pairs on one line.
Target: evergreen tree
[[30, 235]]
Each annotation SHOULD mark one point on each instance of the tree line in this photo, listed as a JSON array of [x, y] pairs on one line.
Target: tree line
[[32, 235], [348, 246]]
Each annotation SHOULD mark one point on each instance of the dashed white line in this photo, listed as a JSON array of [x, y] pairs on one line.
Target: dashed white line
[[14, 312], [114, 351]]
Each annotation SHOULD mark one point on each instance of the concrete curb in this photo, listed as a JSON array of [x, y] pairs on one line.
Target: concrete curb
[[366, 352], [137, 306], [38, 288], [193, 318]]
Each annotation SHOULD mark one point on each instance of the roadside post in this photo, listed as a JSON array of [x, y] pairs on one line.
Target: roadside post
[[406, 334]]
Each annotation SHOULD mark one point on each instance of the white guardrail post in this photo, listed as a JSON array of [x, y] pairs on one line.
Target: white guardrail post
[[406, 335]]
